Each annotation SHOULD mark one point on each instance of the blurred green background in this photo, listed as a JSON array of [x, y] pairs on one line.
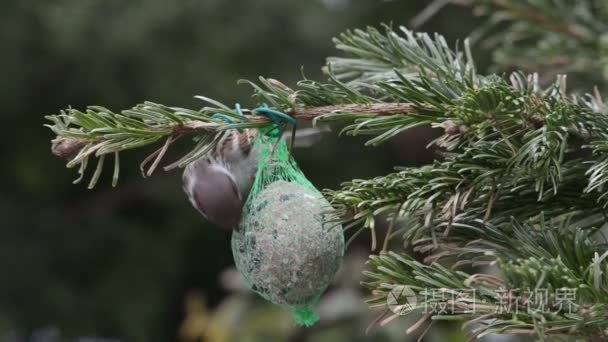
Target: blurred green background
[[137, 263]]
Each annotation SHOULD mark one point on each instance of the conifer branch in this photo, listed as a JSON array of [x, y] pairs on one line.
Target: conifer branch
[[99, 131], [533, 12], [550, 37], [485, 304]]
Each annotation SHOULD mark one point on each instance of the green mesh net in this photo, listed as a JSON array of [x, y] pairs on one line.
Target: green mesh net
[[284, 247]]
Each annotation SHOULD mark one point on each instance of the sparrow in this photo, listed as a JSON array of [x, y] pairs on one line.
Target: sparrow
[[218, 183]]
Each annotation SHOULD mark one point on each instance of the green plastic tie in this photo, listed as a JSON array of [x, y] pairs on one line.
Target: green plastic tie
[[304, 316]]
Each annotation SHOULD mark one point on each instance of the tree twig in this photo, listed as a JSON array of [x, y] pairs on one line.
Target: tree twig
[[526, 13], [373, 108], [69, 147]]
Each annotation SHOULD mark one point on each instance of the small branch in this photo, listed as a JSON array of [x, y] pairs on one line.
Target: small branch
[[379, 109], [526, 13], [428, 13], [503, 136], [194, 127]]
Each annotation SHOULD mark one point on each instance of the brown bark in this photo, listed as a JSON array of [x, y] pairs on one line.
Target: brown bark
[[373, 108]]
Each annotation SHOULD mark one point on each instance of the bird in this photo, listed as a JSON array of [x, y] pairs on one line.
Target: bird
[[218, 183]]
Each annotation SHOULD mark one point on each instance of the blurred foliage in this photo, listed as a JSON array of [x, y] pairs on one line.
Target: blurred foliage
[[119, 262]]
